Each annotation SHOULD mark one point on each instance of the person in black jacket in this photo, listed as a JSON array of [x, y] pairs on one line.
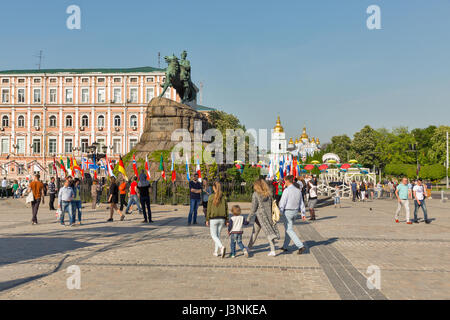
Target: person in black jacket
[[144, 187], [114, 200]]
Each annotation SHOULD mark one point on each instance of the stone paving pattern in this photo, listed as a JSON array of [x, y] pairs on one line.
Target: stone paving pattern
[[170, 260]]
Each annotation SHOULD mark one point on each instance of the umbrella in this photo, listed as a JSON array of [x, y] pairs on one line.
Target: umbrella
[[331, 161], [343, 170], [309, 167], [315, 162], [364, 172], [359, 166], [323, 167], [345, 166], [353, 161]]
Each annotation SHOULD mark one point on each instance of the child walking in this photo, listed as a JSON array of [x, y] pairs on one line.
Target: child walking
[[337, 196], [235, 230]]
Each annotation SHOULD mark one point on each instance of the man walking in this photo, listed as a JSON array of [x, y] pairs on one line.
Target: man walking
[[354, 190], [37, 187], [403, 193], [52, 192], [65, 197], [114, 200], [291, 203], [133, 196], [4, 187], [419, 201], [195, 188]]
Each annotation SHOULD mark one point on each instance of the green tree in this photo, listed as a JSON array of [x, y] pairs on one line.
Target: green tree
[[364, 144], [438, 150], [340, 145], [424, 143]]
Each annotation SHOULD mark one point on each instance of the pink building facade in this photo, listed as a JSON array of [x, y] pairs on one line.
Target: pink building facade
[[47, 113]]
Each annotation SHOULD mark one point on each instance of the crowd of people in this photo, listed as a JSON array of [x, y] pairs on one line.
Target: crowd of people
[[288, 198]]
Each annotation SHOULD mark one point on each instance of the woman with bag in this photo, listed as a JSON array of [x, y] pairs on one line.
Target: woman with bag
[[262, 203], [217, 217]]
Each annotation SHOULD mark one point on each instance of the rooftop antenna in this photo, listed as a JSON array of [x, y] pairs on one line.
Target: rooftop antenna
[[201, 93], [40, 56]]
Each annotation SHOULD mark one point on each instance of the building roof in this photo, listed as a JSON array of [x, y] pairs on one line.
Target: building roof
[[203, 108], [84, 71]]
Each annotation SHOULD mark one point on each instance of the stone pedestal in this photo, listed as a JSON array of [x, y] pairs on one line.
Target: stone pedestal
[[163, 116]]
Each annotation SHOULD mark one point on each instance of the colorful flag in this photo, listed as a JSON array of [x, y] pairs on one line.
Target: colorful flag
[[61, 165], [187, 169], [197, 169], [122, 168], [68, 166], [54, 166], [135, 167], [161, 168], [147, 167], [172, 169]]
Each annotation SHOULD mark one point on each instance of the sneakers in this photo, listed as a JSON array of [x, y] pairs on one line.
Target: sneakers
[[245, 252], [416, 221], [222, 252], [232, 256], [301, 250], [427, 221], [272, 254], [409, 222]]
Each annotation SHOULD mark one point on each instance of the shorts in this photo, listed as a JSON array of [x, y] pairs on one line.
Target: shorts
[[312, 203]]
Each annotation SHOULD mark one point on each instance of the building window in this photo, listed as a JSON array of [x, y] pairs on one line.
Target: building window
[[117, 121], [20, 95], [5, 121], [37, 80], [101, 121], [37, 95], [133, 121], [52, 121], [150, 79], [85, 121], [117, 95], [21, 146], [5, 80], [84, 80], [21, 121], [69, 80], [69, 96], [36, 145], [53, 80], [133, 80], [117, 80], [5, 95], [133, 95], [52, 94], [101, 143], [69, 121], [101, 95], [67, 145], [21, 80], [52, 146], [133, 143], [84, 145], [5, 145], [117, 146], [150, 94], [36, 121], [84, 95], [101, 80]]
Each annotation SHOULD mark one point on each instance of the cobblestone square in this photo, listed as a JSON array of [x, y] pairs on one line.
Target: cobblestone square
[[171, 260]]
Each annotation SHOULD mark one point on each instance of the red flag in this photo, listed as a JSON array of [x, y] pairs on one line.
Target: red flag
[[172, 168], [147, 167], [135, 167], [54, 166]]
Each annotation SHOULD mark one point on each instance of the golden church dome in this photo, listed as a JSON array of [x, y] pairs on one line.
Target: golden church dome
[[296, 140], [278, 127], [317, 141], [290, 141], [304, 135]]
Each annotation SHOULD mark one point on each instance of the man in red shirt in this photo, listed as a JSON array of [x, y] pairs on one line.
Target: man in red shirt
[[133, 197]]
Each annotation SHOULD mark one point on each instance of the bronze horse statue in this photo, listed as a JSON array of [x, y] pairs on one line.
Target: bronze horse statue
[[178, 76]]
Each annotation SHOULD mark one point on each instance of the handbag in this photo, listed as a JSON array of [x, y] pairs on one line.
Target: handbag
[[30, 197], [275, 212], [58, 214]]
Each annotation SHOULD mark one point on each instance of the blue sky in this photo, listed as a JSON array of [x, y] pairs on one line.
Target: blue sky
[[314, 63]]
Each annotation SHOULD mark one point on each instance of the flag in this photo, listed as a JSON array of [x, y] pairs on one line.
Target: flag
[[161, 168], [108, 167], [61, 165], [54, 166], [197, 169], [135, 167], [77, 167], [172, 169], [69, 168], [122, 168], [147, 167], [187, 169]]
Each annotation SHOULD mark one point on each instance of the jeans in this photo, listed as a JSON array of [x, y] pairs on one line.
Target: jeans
[[337, 200], [355, 195], [51, 202], [194, 203], [66, 206], [215, 226], [145, 202], [133, 200], [236, 238], [34, 209], [4, 192], [424, 209], [402, 203], [289, 217], [76, 206]]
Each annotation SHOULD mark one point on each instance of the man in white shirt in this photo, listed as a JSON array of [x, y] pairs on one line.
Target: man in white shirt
[[419, 192], [4, 186], [290, 204]]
